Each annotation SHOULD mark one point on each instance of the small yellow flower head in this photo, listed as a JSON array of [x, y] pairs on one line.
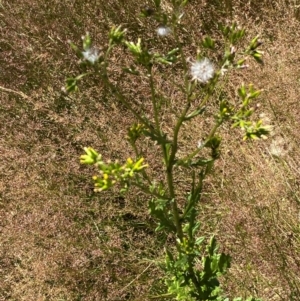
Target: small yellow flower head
[[129, 161]]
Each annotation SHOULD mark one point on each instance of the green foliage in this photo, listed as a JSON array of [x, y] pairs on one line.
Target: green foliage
[[253, 51], [87, 42], [208, 42], [111, 172], [188, 277], [253, 130], [158, 209], [141, 55], [193, 267], [116, 35], [72, 83]]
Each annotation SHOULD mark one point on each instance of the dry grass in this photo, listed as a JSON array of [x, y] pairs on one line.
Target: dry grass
[[59, 240]]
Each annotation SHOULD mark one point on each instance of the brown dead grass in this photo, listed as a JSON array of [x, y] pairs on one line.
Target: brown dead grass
[[61, 241]]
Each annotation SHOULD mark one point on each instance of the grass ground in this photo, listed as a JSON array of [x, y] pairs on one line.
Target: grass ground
[[61, 241]]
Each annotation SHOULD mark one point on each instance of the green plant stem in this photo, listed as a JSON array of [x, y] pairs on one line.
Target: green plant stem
[[210, 135], [147, 191], [174, 205], [156, 115], [162, 296], [195, 200], [214, 129], [153, 98], [170, 162], [138, 155], [193, 275], [212, 89], [169, 170]]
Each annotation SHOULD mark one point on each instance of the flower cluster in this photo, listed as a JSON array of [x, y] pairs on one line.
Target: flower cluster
[[111, 172]]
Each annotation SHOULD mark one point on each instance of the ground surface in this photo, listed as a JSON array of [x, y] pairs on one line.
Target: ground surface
[[61, 241]]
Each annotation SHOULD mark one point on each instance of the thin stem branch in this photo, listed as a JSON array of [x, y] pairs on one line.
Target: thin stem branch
[[153, 98], [14, 92], [147, 191], [210, 135], [132, 281], [170, 162]]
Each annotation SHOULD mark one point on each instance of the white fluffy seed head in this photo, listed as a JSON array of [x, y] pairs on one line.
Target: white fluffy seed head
[[202, 70], [200, 143], [279, 147], [163, 31], [91, 55]]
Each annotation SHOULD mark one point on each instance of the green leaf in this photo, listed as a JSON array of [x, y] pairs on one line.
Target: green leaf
[[213, 142], [242, 92], [157, 210], [160, 139], [76, 49], [201, 162], [212, 247], [207, 269], [184, 3], [258, 57], [207, 42], [214, 265], [169, 255], [147, 12], [116, 35], [131, 70], [173, 51], [71, 85], [157, 3], [241, 33], [225, 29], [254, 94], [195, 113], [255, 43], [199, 241], [87, 41], [224, 263]]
